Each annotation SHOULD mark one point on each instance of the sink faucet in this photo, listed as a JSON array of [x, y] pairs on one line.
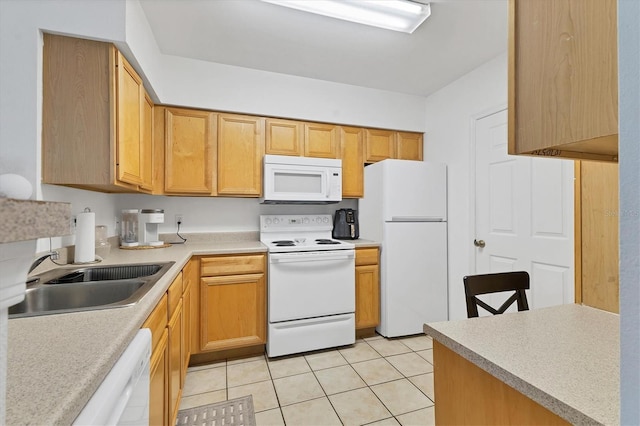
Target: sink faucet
[[52, 254]]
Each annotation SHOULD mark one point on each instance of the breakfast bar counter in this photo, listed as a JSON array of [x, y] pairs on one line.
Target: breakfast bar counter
[[549, 365]]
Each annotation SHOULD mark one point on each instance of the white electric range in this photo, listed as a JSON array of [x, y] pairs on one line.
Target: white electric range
[[311, 284]]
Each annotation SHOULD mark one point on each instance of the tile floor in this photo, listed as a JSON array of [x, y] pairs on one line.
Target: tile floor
[[376, 381]]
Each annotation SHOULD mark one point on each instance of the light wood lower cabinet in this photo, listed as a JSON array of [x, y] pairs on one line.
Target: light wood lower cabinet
[[487, 400], [232, 302], [159, 366], [367, 288], [175, 361]]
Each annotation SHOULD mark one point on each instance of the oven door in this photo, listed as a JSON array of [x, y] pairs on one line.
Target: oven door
[[311, 284]]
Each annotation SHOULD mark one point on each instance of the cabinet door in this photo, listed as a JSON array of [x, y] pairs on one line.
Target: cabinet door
[[233, 311], [129, 112], [175, 362], [240, 152], [352, 155], [191, 277], [189, 151], [283, 137], [379, 145], [158, 390], [367, 296], [147, 144], [186, 329], [409, 146], [320, 140], [563, 78]]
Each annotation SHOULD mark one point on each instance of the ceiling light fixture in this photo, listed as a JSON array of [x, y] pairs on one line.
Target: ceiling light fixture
[[396, 15]]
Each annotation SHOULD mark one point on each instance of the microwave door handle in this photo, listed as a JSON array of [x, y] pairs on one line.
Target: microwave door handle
[[328, 180]]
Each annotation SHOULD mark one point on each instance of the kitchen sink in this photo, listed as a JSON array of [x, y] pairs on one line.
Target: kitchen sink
[[67, 290]]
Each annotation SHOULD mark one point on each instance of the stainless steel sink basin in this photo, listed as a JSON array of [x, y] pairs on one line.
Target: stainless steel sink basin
[[67, 290]]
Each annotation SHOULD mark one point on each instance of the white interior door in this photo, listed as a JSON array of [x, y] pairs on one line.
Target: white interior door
[[523, 215]]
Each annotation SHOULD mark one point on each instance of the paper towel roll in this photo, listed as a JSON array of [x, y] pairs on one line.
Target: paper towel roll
[[85, 237]]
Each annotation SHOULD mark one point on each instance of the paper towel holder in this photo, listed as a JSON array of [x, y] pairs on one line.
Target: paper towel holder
[[97, 259]]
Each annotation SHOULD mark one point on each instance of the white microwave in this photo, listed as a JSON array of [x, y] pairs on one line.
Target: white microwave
[[301, 180]]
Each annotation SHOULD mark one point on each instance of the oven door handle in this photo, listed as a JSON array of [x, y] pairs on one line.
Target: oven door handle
[[291, 258]]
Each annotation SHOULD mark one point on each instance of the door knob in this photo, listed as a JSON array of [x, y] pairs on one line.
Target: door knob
[[479, 243]]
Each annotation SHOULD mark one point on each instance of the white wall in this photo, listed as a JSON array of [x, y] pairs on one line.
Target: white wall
[[448, 139], [629, 107]]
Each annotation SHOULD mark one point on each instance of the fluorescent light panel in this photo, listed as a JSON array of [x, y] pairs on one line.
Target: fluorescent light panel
[[396, 15]]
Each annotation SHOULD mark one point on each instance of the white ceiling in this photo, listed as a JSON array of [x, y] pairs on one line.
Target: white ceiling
[[457, 37]]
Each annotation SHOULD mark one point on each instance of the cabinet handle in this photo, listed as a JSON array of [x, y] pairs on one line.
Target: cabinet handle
[[479, 243]]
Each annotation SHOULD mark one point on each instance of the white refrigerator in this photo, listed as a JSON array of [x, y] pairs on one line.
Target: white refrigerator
[[405, 209]]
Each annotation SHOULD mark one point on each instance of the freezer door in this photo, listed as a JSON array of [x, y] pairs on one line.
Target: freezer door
[[414, 190], [413, 275]]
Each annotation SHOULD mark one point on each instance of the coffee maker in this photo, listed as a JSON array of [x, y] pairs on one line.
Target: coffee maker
[[148, 222]]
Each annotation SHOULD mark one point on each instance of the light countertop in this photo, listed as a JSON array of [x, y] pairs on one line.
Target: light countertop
[[565, 358], [56, 362]]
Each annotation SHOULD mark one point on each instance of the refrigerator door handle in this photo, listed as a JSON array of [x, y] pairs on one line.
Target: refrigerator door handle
[[416, 219]]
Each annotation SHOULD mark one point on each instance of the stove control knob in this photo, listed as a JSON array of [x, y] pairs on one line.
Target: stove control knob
[[276, 221], [305, 220], [318, 219], [325, 220], [268, 221]]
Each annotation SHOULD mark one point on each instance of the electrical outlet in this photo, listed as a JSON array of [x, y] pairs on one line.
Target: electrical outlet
[[179, 219]]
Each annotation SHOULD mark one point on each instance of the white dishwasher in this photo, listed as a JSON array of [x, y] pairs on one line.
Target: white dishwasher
[[123, 396]]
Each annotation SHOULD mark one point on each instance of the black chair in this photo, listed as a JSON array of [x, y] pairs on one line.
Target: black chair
[[475, 285]]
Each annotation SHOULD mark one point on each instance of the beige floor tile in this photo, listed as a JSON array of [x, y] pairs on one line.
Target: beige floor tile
[[203, 399], [424, 382], [321, 360], [361, 351], [387, 347], [401, 396], [293, 389], [263, 393], [339, 379], [418, 343], [424, 417], [427, 354], [288, 367], [247, 372], [234, 361], [207, 380], [358, 407], [376, 337], [311, 413], [376, 371], [391, 421], [410, 364], [270, 418]]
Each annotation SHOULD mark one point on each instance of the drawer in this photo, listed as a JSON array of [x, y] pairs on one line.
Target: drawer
[[232, 265], [366, 256], [157, 322], [175, 294]]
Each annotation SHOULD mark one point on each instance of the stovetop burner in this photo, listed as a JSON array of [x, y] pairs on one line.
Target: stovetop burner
[[284, 243], [326, 241]]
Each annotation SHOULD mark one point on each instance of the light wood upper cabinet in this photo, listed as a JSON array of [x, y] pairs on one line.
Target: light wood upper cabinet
[[147, 144], [92, 117], [563, 89], [409, 146], [189, 145], [284, 137], [379, 145], [320, 140], [240, 151], [352, 155], [597, 220], [233, 302], [367, 288]]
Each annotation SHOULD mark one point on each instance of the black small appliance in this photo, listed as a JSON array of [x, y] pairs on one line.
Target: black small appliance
[[345, 225]]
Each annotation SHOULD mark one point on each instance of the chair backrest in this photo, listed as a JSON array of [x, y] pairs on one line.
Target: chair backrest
[[475, 285]]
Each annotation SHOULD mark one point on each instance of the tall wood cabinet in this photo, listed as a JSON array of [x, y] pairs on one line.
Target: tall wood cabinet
[[94, 112], [563, 89], [597, 218], [232, 301], [352, 155], [367, 288]]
